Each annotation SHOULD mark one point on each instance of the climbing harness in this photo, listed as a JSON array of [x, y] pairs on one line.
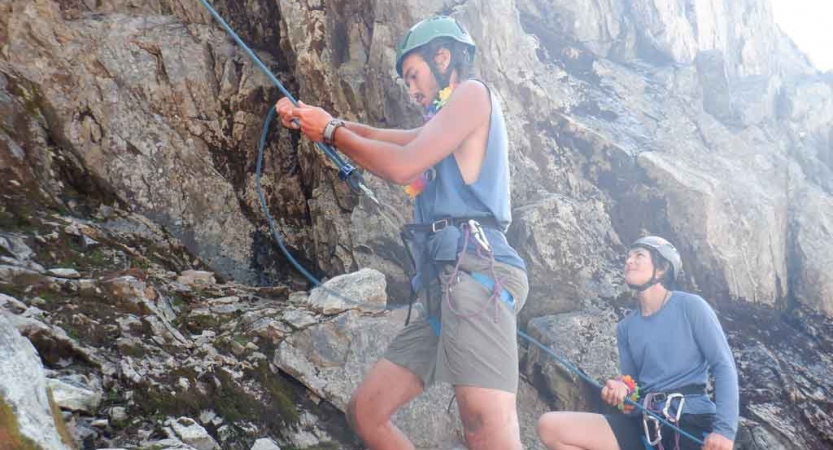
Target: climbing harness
[[355, 181], [667, 401], [669, 406], [471, 227], [346, 171]]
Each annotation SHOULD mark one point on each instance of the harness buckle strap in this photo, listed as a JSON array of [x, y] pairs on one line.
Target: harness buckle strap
[[439, 225]]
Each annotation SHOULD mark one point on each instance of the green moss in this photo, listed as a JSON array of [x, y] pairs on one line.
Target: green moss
[[280, 392], [177, 300], [12, 290], [229, 399], [134, 351], [196, 324], [7, 220], [10, 436], [19, 216], [97, 258], [31, 96], [140, 263]]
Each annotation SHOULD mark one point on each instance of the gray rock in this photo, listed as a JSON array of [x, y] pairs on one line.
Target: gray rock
[[10, 273], [225, 305], [196, 278], [12, 304], [705, 197], [138, 164], [754, 436], [74, 397], [585, 339], [165, 444], [363, 290], [717, 96], [118, 414], [559, 280], [193, 434], [813, 246], [89, 243], [24, 388], [65, 273], [129, 292], [15, 247], [299, 318], [265, 444]]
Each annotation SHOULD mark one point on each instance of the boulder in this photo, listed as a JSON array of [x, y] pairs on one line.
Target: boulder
[[24, 398], [193, 434], [363, 290], [74, 397]]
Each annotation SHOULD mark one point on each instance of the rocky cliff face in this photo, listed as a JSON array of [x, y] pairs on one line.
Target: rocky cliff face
[[694, 119]]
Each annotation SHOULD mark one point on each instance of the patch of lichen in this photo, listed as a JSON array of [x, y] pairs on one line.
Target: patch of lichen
[[10, 436], [30, 96], [60, 425]]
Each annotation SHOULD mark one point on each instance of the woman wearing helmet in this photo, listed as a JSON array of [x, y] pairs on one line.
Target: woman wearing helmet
[[667, 347], [469, 280]]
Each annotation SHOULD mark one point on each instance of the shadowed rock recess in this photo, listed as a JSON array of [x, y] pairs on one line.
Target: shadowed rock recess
[[144, 304]]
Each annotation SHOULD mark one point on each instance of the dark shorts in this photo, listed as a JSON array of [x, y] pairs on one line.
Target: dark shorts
[[631, 435]]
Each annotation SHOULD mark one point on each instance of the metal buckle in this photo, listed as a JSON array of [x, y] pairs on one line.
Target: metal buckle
[[435, 226]]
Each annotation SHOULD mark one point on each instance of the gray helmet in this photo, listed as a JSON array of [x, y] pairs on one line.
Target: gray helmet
[[665, 249]]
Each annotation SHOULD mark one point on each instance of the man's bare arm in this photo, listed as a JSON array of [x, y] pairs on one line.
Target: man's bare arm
[[392, 136]]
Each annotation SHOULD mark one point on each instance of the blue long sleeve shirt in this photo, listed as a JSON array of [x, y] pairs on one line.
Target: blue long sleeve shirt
[[678, 346]]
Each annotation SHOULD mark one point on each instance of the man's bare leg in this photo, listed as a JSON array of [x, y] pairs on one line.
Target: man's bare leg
[[576, 431], [490, 418], [386, 388]]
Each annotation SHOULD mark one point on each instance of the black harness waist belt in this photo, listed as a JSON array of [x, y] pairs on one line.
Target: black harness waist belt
[[438, 225], [689, 389]]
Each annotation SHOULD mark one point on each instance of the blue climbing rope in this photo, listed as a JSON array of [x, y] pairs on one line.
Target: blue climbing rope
[[298, 266], [346, 172]]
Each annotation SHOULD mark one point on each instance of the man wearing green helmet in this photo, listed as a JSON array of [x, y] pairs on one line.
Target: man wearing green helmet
[[469, 281], [667, 348]]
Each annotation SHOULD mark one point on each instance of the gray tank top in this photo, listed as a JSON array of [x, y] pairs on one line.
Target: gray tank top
[[447, 195]]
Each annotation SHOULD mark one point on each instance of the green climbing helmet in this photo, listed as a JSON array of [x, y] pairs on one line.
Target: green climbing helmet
[[428, 30], [665, 249]]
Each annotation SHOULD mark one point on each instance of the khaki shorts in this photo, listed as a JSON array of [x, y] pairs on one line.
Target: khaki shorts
[[472, 341]]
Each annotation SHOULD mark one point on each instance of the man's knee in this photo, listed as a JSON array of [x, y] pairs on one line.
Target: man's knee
[[548, 430], [482, 426], [362, 416]]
